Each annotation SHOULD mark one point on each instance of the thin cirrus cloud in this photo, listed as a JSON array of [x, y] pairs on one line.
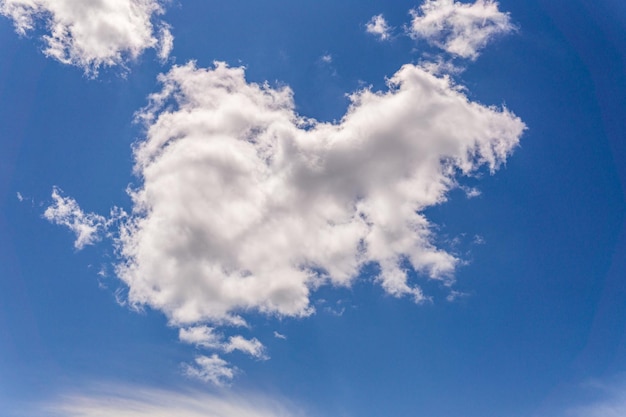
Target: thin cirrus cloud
[[93, 34], [211, 369], [461, 29], [610, 402], [138, 401]]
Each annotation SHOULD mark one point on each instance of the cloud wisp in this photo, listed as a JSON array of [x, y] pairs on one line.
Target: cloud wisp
[[461, 29], [207, 337], [93, 34], [137, 401], [65, 211]]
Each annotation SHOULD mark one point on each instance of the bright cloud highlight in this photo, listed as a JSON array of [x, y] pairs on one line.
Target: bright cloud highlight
[[460, 29], [93, 34]]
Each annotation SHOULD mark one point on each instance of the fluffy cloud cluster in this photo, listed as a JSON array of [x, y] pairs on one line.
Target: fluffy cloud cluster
[[92, 34], [246, 206], [460, 29], [378, 27]]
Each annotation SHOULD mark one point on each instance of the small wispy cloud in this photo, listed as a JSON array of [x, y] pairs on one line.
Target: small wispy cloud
[[379, 27], [471, 192], [279, 335], [88, 228], [208, 337], [65, 211]]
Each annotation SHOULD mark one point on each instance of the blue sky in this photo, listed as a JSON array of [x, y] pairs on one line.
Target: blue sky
[[317, 209]]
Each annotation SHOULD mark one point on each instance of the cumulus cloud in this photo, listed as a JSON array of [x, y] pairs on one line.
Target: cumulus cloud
[[65, 211], [461, 29], [247, 206], [137, 401], [93, 34], [378, 27]]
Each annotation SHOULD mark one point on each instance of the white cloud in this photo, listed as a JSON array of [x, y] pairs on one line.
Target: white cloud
[[279, 335], [327, 58], [244, 205], [137, 401], [379, 27], [203, 336], [211, 369], [460, 29], [166, 42], [92, 34], [207, 337], [251, 347], [89, 228], [65, 211]]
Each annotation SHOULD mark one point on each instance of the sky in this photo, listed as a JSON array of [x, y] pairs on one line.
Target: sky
[[309, 209]]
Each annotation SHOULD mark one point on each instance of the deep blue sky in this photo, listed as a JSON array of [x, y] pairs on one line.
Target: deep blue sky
[[543, 323]]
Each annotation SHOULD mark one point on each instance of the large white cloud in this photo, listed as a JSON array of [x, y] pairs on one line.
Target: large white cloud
[[460, 29], [246, 206], [91, 34]]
